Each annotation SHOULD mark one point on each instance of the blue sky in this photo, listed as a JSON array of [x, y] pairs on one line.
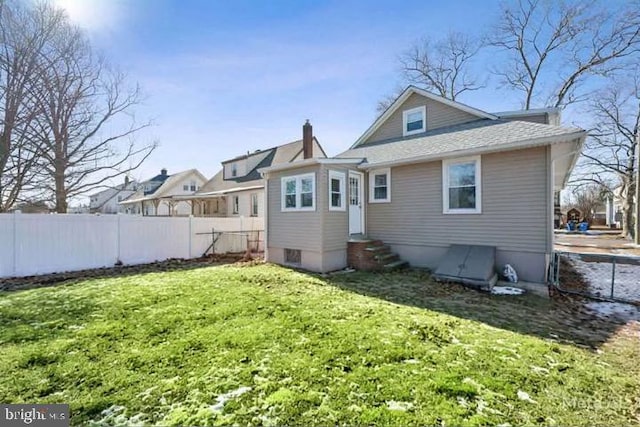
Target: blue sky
[[225, 77]]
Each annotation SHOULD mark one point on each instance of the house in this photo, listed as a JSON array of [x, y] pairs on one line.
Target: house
[[574, 215], [427, 174], [108, 201], [238, 189], [161, 195]]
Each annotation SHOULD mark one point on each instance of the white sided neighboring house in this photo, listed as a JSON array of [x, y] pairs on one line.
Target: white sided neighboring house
[[108, 201], [238, 189], [163, 194]]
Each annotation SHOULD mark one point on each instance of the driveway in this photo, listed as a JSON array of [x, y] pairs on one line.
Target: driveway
[[602, 242]]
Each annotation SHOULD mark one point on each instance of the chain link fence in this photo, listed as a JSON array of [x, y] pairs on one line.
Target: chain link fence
[[600, 276]]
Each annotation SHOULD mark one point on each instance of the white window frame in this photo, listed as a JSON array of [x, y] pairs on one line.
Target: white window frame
[[298, 179], [234, 170], [235, 205], [254, 197], [445, 185], [342, 178], [405, 117], [372, 175]]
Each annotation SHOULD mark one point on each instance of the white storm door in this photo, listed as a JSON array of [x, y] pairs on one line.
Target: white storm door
[[356, 213]]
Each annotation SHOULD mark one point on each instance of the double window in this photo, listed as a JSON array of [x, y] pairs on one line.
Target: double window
[[414, 121], [380, 186], [299, 192], [337, 185], [461, 185]]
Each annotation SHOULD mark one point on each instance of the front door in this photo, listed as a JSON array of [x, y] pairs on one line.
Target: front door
[[356, 214]]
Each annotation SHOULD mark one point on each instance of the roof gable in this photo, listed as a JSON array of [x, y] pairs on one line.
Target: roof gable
[[409, 96]]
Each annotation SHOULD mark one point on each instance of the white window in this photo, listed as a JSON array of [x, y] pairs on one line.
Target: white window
[[380, 186], [193, 186], [337, 185], [236, 204], [414, 121], [185, 187], [299, 193], [461, 185], [234, 169], [254, 204]]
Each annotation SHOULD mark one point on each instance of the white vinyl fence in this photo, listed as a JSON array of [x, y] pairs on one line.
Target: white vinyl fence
[[41, 243]]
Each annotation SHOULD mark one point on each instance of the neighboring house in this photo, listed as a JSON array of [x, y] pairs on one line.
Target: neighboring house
[[428, 173], [613, 209], [238, 189], [574, 214], [108, 201], [161, 195]]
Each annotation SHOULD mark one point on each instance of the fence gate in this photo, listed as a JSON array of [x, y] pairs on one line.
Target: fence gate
[[600, 276]]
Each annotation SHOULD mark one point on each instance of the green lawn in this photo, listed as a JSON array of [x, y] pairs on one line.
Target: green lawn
[[292, 348]]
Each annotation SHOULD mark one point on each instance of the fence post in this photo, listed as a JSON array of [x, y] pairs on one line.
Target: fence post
[[190, 235], [118, 243], [613, 274], [14, 271]]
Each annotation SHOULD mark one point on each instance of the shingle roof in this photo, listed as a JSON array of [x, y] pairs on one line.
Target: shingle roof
[[280, 154], [482, 134], [160, 189]]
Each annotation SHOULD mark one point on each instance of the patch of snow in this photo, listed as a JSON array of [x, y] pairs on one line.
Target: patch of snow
[[223, 398], [112, 410], [523, 395], [399, 406], [506, 290], [539, 370], [614, 309], [598, 277]]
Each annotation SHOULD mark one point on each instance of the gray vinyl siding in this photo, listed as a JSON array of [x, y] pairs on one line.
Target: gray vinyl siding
[[438, 115], [295, 230], [514, 206], [320, 230], [336, 223]]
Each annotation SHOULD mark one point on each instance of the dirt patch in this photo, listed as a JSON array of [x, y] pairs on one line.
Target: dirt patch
[[174, 264]]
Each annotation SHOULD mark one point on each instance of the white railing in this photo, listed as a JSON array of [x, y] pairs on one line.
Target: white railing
[[40, 243]]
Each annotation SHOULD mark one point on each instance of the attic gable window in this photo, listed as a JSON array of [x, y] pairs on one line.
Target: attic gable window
[[414, 121], [234, 170]]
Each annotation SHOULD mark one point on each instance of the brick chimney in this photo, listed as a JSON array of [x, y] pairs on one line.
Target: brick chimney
[[307, 140]]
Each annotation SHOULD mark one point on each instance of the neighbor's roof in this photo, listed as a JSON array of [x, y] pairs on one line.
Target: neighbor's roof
[[161, 190], [475, 137], [284, 153]]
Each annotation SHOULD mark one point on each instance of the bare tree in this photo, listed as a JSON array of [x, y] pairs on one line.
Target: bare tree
[[555, 47], [23, 34], [88, 123], [588, 199], [441, 66], [610, 151]]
